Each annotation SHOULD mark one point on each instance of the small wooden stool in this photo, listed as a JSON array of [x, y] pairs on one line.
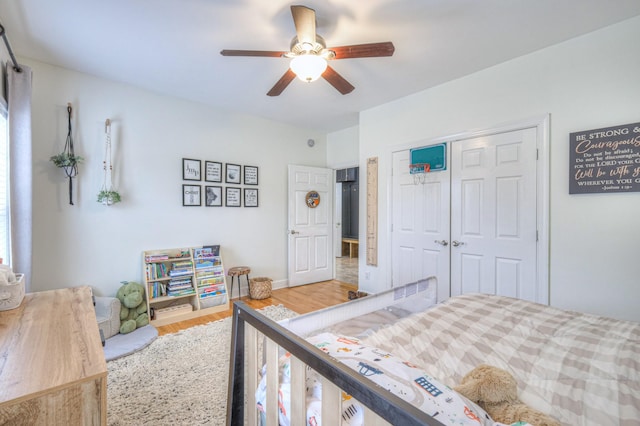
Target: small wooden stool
[[238, 271]]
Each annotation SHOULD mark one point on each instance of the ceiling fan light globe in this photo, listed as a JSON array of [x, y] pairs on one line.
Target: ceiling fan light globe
[[308, 68]]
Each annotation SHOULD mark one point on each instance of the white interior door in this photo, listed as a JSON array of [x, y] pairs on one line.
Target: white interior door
[[493, 215], [310, 230], [420, 236], [337, 220]]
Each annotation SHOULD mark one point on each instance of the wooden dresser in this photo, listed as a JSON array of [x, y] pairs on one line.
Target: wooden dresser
[[52, 366]]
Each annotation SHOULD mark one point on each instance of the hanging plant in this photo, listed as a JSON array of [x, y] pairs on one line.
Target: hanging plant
[[108, 195], [67, 159]]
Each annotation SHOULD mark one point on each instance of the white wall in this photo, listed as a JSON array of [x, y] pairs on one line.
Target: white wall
[[89, 243], [342, 148], [585, 83]]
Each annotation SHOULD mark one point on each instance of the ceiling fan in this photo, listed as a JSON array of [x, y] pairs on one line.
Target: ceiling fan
[[309, 54]]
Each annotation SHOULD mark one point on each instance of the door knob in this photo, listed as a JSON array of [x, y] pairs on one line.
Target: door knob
[[457, 243], [294, 232], [443, 243]]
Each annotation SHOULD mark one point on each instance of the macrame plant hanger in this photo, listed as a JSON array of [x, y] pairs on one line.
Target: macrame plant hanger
[[108, 195], [70, 170]]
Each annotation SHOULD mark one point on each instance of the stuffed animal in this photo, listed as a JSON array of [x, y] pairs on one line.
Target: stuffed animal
[[133, 313], [495, 390]]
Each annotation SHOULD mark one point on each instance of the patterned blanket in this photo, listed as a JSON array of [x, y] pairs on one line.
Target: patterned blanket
[[581, 369]]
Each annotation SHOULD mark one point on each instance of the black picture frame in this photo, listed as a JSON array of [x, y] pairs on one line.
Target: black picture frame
[[191, 195], [212, 171], [250, 175], [232, 173], [233, 197], [213, 196], [251, 197], [191, 169]]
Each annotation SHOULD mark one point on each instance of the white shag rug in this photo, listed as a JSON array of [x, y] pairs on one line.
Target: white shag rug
[[179, 379]]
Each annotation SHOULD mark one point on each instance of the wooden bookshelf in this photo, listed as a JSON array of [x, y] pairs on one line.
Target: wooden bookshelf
[[184, 283]]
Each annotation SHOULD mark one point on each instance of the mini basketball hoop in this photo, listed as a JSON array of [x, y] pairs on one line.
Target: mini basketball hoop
[[419, 168]]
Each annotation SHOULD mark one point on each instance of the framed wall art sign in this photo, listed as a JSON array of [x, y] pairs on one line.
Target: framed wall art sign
[[212, 171], [605, 160], [251, 197], [191, 195], [190, 169], [233, 197], [250, 175], [232, 174], [213, 196]]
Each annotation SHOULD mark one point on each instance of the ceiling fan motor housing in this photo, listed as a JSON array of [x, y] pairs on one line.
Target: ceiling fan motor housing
[[318, 48]]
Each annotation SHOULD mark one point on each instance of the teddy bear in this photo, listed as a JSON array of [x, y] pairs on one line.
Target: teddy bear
[[133, 313], [495, 390]]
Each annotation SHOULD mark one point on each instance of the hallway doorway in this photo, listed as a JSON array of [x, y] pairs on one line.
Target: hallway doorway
[[347, 269], [346, 225]]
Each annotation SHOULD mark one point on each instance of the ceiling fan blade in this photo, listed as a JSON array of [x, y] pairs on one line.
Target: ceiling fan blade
[[337, 81], [282, 83], [369, 50], [305, 22], [268, 53]]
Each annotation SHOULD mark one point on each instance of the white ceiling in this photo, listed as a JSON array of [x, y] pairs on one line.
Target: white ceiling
[[172, 46]]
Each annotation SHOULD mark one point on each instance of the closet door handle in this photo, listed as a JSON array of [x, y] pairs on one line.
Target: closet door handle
[[457, 243], [443, 243]]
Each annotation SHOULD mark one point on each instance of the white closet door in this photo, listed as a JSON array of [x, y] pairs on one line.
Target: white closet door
[[420, 236], [493, 215]]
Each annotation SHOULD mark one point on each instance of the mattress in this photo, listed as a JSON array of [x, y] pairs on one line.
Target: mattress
[[581, 369]]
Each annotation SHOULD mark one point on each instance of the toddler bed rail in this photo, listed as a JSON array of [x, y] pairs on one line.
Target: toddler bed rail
[[248, 325]]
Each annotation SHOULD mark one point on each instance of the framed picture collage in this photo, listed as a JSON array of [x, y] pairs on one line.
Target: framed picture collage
[[239, 190]]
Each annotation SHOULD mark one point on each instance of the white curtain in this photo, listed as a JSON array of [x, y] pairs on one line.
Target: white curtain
[[20, 169]]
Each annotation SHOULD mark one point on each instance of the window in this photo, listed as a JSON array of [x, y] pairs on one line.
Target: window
[[4, 185]]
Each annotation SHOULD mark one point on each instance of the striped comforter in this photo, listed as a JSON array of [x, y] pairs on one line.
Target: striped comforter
[[581, 369]]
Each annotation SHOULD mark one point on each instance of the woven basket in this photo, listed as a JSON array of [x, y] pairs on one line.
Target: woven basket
[[260, 288], [11, 294]]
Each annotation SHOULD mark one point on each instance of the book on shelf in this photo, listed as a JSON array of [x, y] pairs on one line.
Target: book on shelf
[[185, 292], [211, 288], [212, 270], [207, 276], [156, 257], [180, 272], [215, 249], [211, 281], [203, 264], [157, 289], [180, 283], [175, 289], [203, 253], [210, 273], [212, 294], [155, 271]]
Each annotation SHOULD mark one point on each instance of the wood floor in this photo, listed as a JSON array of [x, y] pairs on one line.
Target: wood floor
[[302, 299]]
